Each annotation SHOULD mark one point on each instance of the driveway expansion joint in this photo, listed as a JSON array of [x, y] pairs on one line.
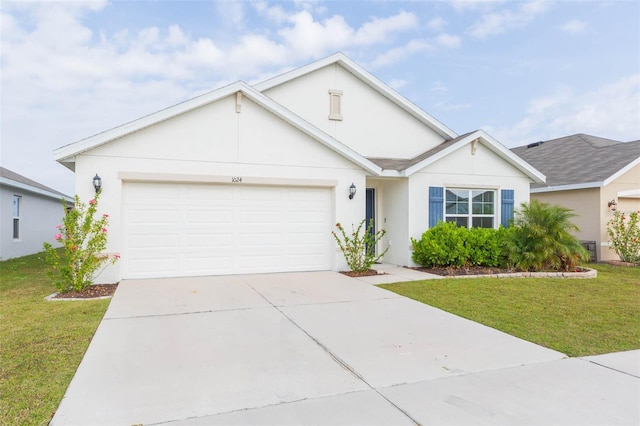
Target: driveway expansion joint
[[335, 357]]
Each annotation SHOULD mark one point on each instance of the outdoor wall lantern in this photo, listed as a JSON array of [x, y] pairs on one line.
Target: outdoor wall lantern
[[613, 206], [97, 183], [352, 191]]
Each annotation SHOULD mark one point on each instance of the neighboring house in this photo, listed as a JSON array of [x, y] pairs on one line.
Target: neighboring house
[[250, 179], [591, 175], [29, 213]]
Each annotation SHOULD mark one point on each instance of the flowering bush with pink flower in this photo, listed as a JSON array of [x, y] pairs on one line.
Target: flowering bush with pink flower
[[84, 239], [359, 248], [625, 235]]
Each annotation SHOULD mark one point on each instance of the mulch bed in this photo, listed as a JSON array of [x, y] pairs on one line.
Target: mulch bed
[[472, 270], [96, 290], [369, 273], [476, 270]]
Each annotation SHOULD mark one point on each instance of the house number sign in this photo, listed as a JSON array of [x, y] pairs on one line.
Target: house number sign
[[236, 179]]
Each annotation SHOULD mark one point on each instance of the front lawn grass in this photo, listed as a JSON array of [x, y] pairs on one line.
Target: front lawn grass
[[41, 343], [575, 316]]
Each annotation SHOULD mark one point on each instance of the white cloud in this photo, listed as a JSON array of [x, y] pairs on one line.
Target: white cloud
[[611, 111], [501, 21], [436, 24], [399, 53], [574, 26], [449, 41], [464, 5], [379, 29], [308, 38]]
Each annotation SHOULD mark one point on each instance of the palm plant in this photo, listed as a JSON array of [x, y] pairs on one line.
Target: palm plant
[[542, 239]]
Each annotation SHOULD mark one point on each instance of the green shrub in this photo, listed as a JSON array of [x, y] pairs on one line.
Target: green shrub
[[541, 239], [84, 239], [625, 236], [484, 247], [359, 248], [443, 245]]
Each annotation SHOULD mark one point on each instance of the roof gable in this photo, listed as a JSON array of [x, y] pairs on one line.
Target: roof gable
[[367, 78], [66, 154], [408, 167], [580, 160]]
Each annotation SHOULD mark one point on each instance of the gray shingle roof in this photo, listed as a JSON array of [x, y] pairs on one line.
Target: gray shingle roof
[[8, 174], [579, 158], [400, 164]]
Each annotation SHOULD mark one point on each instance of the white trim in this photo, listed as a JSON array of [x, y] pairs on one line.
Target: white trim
[[488, 141], [622, 171], [65, 153], [224, 179], [33, 189], [367, 78], [570, 187], [633, 193]]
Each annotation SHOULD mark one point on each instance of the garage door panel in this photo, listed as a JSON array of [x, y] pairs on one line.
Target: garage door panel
[[153, 216], [224, 229], [224, 264], [261, 216], [153, 241], [208, 216], [224, 241], [159, 265]]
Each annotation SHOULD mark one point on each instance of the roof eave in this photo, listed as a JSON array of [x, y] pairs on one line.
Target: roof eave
[[23, 186], [622, 171], [568, 187], [532, 173]]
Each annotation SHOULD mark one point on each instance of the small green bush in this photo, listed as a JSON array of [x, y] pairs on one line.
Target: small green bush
[[83, 236], [625, 236], [443, 245], [542, 240], [484, 247], [359, 249]]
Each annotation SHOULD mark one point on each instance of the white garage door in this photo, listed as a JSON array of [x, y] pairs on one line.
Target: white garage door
[[191, 229]]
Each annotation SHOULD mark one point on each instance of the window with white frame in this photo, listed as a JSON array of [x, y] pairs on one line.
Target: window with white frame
[[16, 217], [471, 207]]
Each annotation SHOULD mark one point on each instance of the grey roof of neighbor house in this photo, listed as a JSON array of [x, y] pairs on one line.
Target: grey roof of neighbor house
[[15, 177], [579, 159]]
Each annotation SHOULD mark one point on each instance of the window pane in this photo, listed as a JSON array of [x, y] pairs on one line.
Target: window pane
[[482, 222], [483, 202], [459, 221], [16, 228], [16, 206], [457, 201]]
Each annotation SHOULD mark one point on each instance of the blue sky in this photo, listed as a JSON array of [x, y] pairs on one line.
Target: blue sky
[[523, 71]]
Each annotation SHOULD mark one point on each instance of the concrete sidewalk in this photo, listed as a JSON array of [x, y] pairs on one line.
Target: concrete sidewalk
[[322, 348]]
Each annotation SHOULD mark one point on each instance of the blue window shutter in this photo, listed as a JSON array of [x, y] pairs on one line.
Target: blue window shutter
[[436, 205], [507, 207]]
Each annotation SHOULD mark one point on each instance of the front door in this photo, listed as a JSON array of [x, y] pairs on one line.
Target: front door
[[370, 213]]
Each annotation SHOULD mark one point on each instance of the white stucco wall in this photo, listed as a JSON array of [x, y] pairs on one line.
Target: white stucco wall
[[462, 169], [39, 216], [392, 215], [372, 125], [214, 140]]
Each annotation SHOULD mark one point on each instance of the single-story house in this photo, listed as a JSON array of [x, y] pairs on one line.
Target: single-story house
[[30, 212], [253, 178], [592, 176]]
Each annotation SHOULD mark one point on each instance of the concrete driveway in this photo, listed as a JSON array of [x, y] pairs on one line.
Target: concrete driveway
[[322, 348]]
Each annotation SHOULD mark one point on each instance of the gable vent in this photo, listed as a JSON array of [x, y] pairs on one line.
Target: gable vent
[[335, 105]]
